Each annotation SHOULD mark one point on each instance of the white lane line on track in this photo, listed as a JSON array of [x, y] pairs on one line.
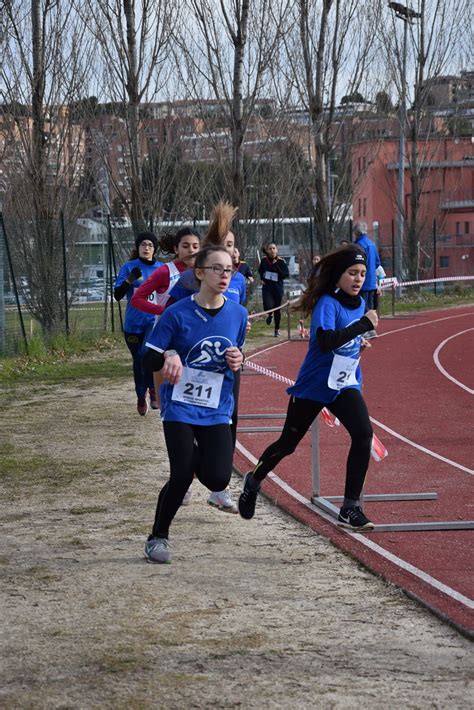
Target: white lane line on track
[[428, 322], [422, 448], [402, 564], [441, 368]]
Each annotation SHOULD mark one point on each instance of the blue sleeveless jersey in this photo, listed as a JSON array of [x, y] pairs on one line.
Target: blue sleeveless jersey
[[201, 341], [312, 379]]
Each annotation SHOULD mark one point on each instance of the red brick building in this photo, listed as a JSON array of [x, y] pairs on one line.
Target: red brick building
[[447, 198]]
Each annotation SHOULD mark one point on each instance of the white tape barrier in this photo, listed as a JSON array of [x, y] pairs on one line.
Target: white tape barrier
[[394, 283]]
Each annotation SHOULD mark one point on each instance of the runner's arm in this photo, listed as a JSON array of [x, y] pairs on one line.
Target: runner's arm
[[158, 281], [331, 339]]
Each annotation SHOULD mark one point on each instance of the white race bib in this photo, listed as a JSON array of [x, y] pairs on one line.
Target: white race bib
[[198, 387], [270, 275], [343, 372]]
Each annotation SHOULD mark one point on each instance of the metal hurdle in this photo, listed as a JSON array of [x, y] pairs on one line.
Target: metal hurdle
[[326, 503]]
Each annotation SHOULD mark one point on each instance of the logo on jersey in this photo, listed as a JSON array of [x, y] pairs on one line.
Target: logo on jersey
[[209, 354]]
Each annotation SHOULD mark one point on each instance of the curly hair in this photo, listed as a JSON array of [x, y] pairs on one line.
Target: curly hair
[[169, 241], [221, 221]]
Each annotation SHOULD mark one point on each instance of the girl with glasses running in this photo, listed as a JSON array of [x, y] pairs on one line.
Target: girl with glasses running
[[329, 377], [219, 233], [197, 345]]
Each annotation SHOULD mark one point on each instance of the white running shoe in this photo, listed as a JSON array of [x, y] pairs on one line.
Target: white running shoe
[[188, 496], [222, 500]]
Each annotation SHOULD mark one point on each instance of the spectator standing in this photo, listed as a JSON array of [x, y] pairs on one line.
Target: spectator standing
[[369, 289]]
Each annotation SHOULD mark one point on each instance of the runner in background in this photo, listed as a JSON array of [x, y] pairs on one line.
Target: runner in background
[[141, 265], [330, 377], [242, 267], [153, 295], [197, 343], [219, 233], [273, 270]]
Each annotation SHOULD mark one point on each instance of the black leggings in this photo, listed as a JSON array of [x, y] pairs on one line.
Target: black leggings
[[271, 298], [349, 407], [143, 380], [210, 460]]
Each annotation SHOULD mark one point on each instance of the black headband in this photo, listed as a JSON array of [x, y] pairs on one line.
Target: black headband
[[347, 258]]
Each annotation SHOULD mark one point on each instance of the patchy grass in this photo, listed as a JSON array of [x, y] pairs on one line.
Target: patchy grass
[[22, 468], [65, 360]]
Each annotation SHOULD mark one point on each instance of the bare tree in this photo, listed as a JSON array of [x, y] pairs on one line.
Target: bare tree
[[225, 54], [43, 69], [133, 44], [327, 53]]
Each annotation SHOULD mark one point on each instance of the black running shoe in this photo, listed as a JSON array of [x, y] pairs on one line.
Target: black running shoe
[[355, 519], [248, 497]]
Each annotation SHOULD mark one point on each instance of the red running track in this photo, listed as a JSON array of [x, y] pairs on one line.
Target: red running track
[[419, 387]]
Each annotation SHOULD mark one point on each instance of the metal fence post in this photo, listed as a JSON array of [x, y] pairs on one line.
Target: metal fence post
[[66, 303], [12, 275]]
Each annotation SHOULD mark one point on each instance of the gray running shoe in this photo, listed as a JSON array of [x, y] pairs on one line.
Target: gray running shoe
[[158, 550]]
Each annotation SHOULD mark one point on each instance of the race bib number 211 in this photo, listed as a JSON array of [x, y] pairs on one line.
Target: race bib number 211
[[199, 388]]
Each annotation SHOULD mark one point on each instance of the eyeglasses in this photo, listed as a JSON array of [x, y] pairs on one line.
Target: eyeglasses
[[147, 245], [219, 270]]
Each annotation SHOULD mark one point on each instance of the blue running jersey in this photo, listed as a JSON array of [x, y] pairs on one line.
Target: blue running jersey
[[136, 321], [204, 396], [314, 374]]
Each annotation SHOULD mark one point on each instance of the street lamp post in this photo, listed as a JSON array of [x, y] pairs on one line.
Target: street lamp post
[[407, 15], [401, 164]]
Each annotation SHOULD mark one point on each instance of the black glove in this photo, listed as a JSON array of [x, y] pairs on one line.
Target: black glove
[[135, 274]]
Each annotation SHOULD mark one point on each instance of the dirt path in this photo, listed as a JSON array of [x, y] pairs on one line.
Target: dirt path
[[254, 615]]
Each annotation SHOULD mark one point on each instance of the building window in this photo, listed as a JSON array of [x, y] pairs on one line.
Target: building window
[[466, 227], [444, 262], [359, 205], [458, 228], [364, 207]]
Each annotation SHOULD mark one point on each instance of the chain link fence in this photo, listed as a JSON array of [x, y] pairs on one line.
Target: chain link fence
[[75, 268]]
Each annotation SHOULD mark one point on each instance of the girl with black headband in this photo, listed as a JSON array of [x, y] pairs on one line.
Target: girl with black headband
[[141, 265], [330, 377]]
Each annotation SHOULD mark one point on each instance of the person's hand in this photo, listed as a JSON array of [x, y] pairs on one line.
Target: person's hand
[[234, 358], [248, 326], [172, 369], [365, 344], [373, 317], [134, 274]]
